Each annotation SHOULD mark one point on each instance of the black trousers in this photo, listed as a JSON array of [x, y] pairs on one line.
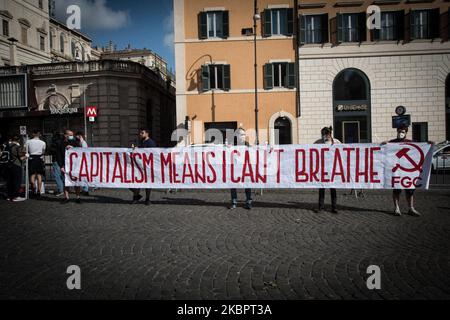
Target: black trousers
[[13, 181], [248, 195], [322, 198]]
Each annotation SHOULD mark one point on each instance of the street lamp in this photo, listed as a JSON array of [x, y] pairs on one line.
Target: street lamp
[[256, 17]]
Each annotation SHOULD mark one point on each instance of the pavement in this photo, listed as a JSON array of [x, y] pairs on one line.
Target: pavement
[[188, 245]]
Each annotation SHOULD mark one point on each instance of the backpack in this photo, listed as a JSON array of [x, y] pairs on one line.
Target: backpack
[[6, 157]]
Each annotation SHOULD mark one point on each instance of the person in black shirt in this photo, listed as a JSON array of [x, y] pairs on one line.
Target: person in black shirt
[[144, 142]]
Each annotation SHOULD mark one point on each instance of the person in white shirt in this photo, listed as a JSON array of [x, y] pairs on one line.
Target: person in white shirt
[[327, 138], [36, 150]]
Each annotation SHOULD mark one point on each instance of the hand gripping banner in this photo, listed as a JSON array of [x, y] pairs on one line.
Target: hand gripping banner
[[354, 166]]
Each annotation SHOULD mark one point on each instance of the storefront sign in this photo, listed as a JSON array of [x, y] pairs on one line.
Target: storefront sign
[[351, 107], [64, 110], [358, 166]]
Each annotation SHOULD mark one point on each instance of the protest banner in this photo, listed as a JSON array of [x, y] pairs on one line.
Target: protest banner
[[358, 166]]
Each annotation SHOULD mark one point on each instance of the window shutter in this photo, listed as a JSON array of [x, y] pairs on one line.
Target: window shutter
[[268, 76], [226, 77], [205, 78], [444, 26], [302, 29], [340, 27], [362, 26], [400, 24], [267, 23], [324, 20], [202, 26], [290, 22], [434, 25], [291, 75], [226, 24], [334, 31], [408, 27]]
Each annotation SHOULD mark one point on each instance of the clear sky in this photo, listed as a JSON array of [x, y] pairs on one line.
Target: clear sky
[[144, 23]]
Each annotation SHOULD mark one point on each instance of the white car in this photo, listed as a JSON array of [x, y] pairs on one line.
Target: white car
[[441, 157]]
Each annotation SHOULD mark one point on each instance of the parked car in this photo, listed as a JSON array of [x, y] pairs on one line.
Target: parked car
[[441, 157]]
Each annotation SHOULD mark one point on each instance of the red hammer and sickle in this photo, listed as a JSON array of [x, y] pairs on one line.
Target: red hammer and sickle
[[403, 153]]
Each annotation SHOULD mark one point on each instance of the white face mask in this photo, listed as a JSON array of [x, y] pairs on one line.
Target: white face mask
[[401, 135]]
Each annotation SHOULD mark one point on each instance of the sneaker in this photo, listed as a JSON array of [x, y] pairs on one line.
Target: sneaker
[[65, 201], [319, 210], [148, 202], [334, 210], [59, 194], [18, 199], [136, 199], [232, 207], [413, 212], [78, 200], [248, 206], [397, 212]]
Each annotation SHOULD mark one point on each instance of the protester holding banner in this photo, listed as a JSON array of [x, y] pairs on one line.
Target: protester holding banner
[[327, 138], [145, 142], [84, 144], [36, 170], [240, 141], [401, 138], [70, 141]]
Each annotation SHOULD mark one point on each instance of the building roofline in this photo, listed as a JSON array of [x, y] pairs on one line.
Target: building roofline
[[62, 25]]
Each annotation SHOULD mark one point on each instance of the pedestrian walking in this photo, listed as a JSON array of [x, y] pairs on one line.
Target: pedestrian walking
[[14, 169], [241, 140], [36, 163], [327, 138], [84, 144], [145, 142]]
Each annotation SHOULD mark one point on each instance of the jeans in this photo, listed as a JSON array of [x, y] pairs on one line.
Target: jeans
[[59, 177], [322, 198], [13, 181], [248, 196]]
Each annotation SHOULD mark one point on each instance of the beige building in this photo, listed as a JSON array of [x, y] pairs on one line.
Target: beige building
[[28, 35], [350, 76]]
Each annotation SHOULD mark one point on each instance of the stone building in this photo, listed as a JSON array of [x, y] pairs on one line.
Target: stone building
[[50, 98]]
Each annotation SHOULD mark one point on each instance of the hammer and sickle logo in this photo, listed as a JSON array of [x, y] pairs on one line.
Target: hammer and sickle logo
[[404, 153]]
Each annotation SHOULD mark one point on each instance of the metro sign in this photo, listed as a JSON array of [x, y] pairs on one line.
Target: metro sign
[[91, 113]]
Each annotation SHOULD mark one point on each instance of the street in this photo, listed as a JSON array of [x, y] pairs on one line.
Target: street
[[188, 245]]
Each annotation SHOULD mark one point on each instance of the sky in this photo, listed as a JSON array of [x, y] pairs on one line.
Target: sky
[[142, 24]]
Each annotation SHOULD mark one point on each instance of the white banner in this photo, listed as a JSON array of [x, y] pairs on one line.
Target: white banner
[[357, 166]]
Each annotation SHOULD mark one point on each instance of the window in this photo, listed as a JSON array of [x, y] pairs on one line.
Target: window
[[61, 42], [351, 27], [24, 35], [213, 24], [350, 84], [42, 43], [12, 92], [279, 75], [216, 76], [420, 131], [278, 22], [5, 28], [41, 4], [314, 28], [392, 26], [51, 40], [425, 24], [73, 49]]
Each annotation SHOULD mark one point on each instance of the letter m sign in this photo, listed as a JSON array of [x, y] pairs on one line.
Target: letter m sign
[[91, 113]]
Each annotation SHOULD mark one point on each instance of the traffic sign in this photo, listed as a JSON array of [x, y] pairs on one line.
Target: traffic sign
[[91, 112], [23, 130]]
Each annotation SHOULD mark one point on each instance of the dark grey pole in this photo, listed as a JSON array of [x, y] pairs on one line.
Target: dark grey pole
[[255, 18]]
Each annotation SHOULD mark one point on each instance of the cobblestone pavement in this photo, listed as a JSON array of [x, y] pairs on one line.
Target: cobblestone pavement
[[187, 245]]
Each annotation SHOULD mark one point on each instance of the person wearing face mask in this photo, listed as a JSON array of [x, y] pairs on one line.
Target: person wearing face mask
[[241, 141], [69, 141], [401, 137], [327, 138]]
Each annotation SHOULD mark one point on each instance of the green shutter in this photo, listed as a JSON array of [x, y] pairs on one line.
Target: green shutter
[[435, 23], [340, 26], [226, 77], [291, 75], [362, 26], [267, 23], [400, 24], [302, 32], [202, 26], [324, 19], [205, 78], [226, 24], [268, 76], [290, 22]]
